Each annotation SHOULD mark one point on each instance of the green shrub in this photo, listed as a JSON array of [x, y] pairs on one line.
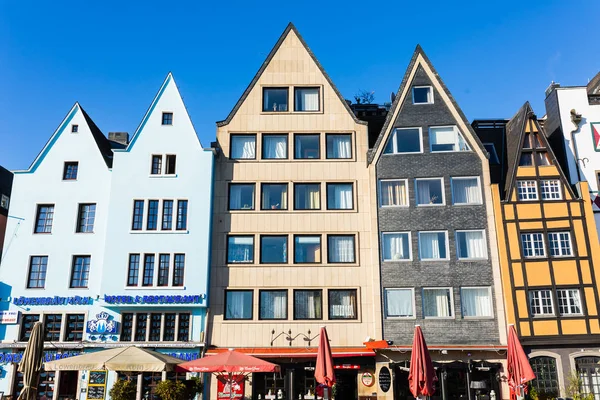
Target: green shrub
[[123, 390], [171, 390]]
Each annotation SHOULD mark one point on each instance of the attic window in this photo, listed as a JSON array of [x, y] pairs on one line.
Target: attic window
[[74, 128], [532, 141], [275, 99], [422, 95], [167, 118]]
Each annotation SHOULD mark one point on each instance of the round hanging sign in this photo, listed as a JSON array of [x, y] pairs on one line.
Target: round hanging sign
[[367, 379], [385, 379]]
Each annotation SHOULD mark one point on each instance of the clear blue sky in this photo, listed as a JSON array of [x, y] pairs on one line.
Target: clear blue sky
[[112, 56]]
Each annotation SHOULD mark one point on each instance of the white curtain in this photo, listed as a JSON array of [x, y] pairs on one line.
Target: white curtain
[[339, 146], [343, 305], [476, 302], [241, 196], [273, 305], [339, 196], [430, 245], [308, 197], [429, 191], [240, 249], [243, 147], [239, 305], [393, 193], [472, 244], [399, 303], [436, 303], [395, 246], [341, 249], [308, 304], [466, 191], [307, 99], [275, 146]]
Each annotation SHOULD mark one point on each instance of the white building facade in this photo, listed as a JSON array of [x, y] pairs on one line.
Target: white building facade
[[108, 245]]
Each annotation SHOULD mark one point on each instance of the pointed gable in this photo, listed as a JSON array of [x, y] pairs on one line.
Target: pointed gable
[[420, 72], [286, 55]]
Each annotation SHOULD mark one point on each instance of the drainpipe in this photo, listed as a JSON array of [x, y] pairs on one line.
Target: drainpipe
[[576, 120]]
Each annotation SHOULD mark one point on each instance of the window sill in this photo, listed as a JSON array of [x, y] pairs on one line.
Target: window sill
[[159, 232], [398, 260], [403, 153], [472, 259], [431, 205], [572, 315], [163, 176], [434, 259], [441, 318], [300, 265], [69, 180], [467, 204], [450, 151], [155, 288], [395, 206], [400, 318], [483, 318], [84, 233]]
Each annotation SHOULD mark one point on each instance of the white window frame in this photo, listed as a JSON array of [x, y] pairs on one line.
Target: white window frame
[[405, 191], [458, 178], [542, 314], [537, 194], [414, 308], [484, 238], [569, 300], [391, 136], [452, 311], [446, 243], [458, 134], [560, 247], [443, 203], [489, 288], [430, 99], [543, 181], [410, 255], [529, 235]]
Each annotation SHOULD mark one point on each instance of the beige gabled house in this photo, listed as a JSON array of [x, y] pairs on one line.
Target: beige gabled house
[[295, 235]]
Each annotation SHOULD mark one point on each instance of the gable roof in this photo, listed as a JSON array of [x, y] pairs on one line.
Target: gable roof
[[101, 141], [264, 65], [593, 87], [401, 95]]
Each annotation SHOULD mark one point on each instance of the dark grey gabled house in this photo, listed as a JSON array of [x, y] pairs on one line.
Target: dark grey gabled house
[[438, 252]]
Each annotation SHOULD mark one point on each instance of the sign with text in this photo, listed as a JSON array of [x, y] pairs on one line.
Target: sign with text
[[96, 389], [9, 317], [178, 299], [224, 387], [53, 301]]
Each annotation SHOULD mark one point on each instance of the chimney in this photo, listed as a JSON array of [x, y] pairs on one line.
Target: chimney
[[552, 86], [119, 137]]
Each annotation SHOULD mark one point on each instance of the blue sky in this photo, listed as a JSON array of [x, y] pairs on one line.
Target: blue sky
[[113, 56]]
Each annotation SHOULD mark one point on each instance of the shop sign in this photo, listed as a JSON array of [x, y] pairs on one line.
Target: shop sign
[[367, 379], [96, 389], [224, 387], [7, 358], [103, 327], [53, 301], [184, 356], [385, 379], [9, 317], [191, 299]]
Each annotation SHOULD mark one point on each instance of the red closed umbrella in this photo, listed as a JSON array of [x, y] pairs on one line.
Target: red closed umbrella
[[421, 375], [518, 369], [324, 373]]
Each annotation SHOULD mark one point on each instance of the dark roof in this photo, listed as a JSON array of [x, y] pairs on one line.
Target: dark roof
[[514, 131], [396, 103], [6, 179], [593, 87], [264, 65], [104, 145]]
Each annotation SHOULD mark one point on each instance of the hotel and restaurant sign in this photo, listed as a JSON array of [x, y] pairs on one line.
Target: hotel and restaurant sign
[[110, 299]]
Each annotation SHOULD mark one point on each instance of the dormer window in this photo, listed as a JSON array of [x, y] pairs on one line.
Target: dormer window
[[275, 99], [422, 95], [447, 138], [74, 128], [167, 118]]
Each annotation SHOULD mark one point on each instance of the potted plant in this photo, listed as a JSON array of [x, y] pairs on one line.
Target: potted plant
[[123, 390], [171, 390]]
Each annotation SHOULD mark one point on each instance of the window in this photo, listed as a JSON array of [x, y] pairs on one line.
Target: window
[[471, 245], [164, 263], [155, 326], [80, 272], [476, 302], [568, 301], [307, 196], [171, 164], [308, 304], [546, 376], [169, 327], [148, 270], [399, 303], [307, 146], [4, 199], [526, 160], [183, 327], [404, 140], [178, 270], [533, 245], [141, 323], [527, 190], [241, 196], [156, 168], [44, 218], [466, 191], [531, 141], [306, 99], [37, 272], [307, 249], [396, 246], [430, 191], [85, 218], [339, 146], [238, 304], [152, 219], [437, 303], [126, 327], [240, 249], [274, 196], [340, 249], [27, 322], [433, 246], [74, 128], [447, 138], [133, 271], [340, 196], [275, 99], [272, 304], [52, 325], [70, 170], [273, 249], [138, 215], [167, 118], [75, 327], [393, 193], [491, 149], [342, 304], [182, 211], [243, 147], [167, 215], [540, 302], [560, 244], [542, 158], [274, 147], [422, 95], [550, 189]]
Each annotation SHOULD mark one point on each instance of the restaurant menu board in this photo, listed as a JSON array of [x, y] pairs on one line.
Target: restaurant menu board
[[96, 385]]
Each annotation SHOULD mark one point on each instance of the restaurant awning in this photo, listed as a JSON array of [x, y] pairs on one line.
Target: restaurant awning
[[298, 352]]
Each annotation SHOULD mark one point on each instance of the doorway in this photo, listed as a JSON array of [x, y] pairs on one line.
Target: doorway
[[67, 385]]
